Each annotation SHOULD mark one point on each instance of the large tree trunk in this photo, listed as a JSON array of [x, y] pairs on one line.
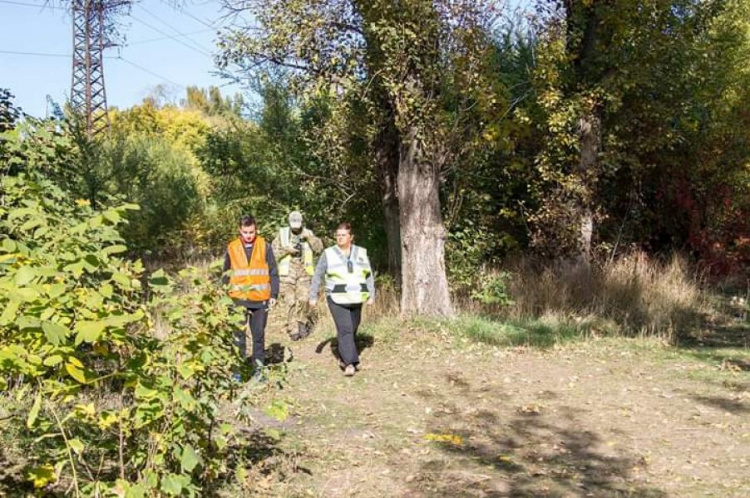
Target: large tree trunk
[[590, 143], [424, 289], [387, 158]]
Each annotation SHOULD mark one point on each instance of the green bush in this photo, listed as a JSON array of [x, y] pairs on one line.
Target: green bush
[[113, 382]]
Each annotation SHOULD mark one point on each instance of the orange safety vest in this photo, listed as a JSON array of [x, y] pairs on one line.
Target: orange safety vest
[[249, 281]]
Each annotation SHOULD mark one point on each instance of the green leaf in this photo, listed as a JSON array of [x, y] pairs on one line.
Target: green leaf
[[9, 245], [122, 279], [24, 275], [75, 268], [106, 290], [53, 360], [278, 410], [120, 320], [112, 216], [76, 445], [189, 459], [55, 332], [89, 331], [56, 290], [9, 313], [34, 412], [183, 397], [132, 490], [25, 294], [32, 223], [116, 249], [186, 370], [143, 392], [158, 278], [76, 372], [172, 484]]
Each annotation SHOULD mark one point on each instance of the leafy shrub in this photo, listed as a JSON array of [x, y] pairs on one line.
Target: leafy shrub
[[493, 290], [102, 403]]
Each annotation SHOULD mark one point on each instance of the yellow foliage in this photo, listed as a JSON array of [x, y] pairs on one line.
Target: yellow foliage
[[453, 439], [42, 475]]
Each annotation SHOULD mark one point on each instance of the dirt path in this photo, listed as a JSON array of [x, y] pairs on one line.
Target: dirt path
[[429, 417]]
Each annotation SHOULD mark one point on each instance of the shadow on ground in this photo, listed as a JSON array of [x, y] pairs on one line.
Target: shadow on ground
[[728, 333], [495, 450], [733, 406], [363, 342]]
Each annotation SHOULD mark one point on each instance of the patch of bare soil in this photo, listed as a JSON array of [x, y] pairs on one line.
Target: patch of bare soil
[[425, 417]]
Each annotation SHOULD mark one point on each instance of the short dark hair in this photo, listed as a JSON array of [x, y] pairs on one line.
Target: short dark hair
[[247, 221], [344, 226]]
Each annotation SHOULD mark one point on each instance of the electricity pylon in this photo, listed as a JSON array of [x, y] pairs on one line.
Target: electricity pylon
[[93, 31]]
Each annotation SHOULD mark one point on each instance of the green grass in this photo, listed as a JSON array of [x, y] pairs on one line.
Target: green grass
[[541, 333]]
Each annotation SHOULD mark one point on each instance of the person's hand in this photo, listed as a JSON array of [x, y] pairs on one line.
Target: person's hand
[[293, 250], [370, 302], [312, 302], [272, 302]]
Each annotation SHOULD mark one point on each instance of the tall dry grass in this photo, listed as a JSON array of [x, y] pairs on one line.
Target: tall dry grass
[[641, 296]]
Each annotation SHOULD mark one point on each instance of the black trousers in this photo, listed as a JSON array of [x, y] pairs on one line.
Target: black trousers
[[256, 318], [347, 318]]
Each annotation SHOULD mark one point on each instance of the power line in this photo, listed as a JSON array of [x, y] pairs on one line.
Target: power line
[[146, 70], [185, 12], [138, 42], [200, 51], [177, 31], [24, 4], [40, 54], [47, 54]]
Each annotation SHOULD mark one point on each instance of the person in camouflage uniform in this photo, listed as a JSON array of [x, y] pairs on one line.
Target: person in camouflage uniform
[[294, 247]]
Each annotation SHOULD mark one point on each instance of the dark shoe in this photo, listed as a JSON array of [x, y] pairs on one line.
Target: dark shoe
[[303, 331]]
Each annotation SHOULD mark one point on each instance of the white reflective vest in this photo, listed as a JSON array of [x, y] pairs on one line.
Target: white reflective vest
[[307, 254], [346, 278]]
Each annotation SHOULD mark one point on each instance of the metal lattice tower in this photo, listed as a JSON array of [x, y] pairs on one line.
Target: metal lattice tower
[[92, 30]]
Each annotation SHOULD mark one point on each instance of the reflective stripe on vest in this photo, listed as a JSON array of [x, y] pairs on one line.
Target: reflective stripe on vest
[[251, 280], [343, 286], [285, 262]]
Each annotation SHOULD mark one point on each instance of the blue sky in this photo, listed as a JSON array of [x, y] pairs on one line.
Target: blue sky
[[155, 51], [165, 45]]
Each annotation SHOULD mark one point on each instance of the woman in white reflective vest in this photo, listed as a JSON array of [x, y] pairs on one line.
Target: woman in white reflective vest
[[349, 283]]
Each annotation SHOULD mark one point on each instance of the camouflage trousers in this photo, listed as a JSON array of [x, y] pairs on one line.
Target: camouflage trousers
[[297, 317]]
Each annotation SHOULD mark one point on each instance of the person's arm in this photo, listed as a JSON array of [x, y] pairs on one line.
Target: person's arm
[[227, 266], [370, 283], [315, 243], [273, 271], [320, 271], [281, 251]]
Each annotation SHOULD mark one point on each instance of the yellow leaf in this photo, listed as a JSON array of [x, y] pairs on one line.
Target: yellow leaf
[[76, 372], [41, 476], [445, 438]]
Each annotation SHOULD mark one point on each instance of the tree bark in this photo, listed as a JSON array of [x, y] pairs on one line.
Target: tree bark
[[387, 159], [424, 289], [590, 144]]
